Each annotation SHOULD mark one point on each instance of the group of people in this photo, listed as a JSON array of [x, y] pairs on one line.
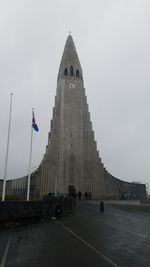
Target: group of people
[[79, 195]]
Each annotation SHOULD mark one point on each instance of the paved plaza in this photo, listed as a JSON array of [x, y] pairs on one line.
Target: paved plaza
[[83, 238]]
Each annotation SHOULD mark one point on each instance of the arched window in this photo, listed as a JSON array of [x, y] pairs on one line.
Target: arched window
[[77, 73], [65, 72], [71, 71]]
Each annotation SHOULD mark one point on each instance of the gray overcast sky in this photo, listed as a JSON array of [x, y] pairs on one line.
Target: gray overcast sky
[[112, 38]]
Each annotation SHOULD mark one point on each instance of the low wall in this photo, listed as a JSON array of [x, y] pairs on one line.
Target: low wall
[[12, 211]]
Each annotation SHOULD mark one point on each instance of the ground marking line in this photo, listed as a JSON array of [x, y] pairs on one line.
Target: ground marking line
[[5, 252], [87, 244], [128, 231]]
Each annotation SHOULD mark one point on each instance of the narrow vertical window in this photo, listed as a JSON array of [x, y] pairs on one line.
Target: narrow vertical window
[[77, 73], [71, 71], [65, 72]]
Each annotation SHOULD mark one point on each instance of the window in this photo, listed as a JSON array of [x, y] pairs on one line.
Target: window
[[77, 73], [65, 72]]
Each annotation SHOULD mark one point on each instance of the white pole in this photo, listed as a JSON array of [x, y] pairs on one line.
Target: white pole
[[30, 159], [7, 150]]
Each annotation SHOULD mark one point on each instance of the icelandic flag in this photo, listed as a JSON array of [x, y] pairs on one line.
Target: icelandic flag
[[34, 125]]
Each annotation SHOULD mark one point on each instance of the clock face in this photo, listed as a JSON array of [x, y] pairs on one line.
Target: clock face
[[71, 85]]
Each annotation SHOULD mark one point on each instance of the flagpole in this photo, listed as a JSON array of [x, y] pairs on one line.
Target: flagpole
[[30, 159], [7, 150]]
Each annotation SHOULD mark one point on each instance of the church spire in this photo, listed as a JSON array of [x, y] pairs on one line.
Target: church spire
[[70, 64]]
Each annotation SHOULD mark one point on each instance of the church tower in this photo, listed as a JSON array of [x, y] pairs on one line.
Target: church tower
[[63, 163], [71, 162], [70, 94]]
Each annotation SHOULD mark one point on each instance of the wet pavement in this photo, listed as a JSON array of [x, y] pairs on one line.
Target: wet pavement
[[86, 237]]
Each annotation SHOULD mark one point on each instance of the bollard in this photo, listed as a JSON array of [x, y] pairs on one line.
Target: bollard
[[58, 210], [101, 206]]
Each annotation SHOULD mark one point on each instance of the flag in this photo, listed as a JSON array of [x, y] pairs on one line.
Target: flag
[[34, 125]]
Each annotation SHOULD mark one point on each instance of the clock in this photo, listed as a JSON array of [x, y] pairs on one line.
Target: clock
[[71, 85]]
